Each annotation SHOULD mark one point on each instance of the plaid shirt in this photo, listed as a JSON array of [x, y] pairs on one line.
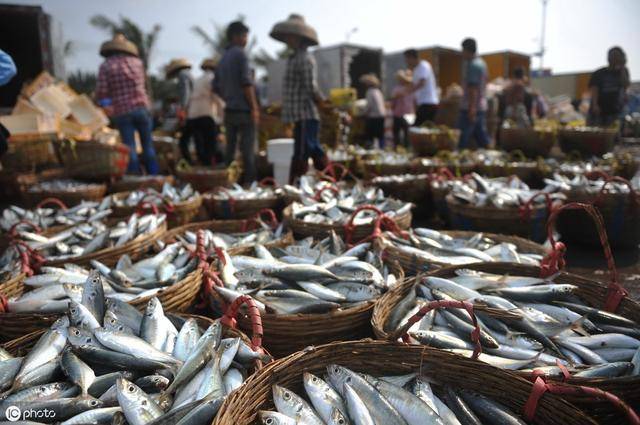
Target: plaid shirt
[[121, 78], [300, 88]]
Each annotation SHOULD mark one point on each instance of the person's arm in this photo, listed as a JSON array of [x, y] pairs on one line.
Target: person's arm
[[7, 68], [184, 90], [102, 88], [474, 79], [595, 92], [248, 88]]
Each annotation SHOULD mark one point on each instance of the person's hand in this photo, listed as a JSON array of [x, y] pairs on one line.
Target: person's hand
[[108, 110], [181, 114], [255, 116], [472, 114]]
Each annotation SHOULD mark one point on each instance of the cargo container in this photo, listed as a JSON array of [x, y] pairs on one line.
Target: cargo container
[[503, 63]]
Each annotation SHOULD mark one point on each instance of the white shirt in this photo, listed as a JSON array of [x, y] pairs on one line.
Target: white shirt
[[375, 103], [203, 101], [427, 94]]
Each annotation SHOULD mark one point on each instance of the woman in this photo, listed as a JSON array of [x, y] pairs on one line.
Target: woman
[[375, 111], [402, 103]]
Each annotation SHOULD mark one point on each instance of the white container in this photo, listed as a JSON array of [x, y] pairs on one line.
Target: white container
[[279, 153]]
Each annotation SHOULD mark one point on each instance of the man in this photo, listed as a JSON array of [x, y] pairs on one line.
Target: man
[[236, 87], [180, 69], [472, 120], [301, 94], [516, 101], [424, 87], [608, 88], [7, 72], [205, 113], [120, 88]]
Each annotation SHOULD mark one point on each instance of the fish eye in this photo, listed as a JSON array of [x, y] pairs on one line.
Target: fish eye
[[336, 370], [348, 380], [88, 340], [269, 421], [94, 402], [341, 421], [76, 332], [43, 389], [314, 379], [286, 396], [131, 388], [144, 402], [74, 311]]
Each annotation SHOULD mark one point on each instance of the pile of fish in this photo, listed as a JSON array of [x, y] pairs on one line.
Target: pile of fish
[[212, 240], [308, 186], [580, 183], [501, 192], [106, 361], [255, 191], [306, 277], [345, 397], [551, 324], [62, 185], [573, 168], [169, 193], [433, 246], [85, 238], [49, 217], [492, 157], [389, 158], [337, 206], [399, 178], [55, 287]]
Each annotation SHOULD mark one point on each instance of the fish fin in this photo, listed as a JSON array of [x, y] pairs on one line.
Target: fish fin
[[578, 327]]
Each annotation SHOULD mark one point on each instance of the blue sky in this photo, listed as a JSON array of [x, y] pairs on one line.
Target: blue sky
[[578, 31]]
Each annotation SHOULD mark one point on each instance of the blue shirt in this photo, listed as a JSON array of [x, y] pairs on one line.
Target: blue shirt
[[7, 68], [474, 74], [232, 76]]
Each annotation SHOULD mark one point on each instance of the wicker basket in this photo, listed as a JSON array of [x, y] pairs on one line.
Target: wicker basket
[[415, 190], [413, 265], [178, 213], [382, 358], [526, 171], [94, 160], [204, 179], [90, 192], [533, 143], [428, 144], [13, 287], [29, 152], [239, 208], [378, 167], [587, 142], [303, 229], [151, 182], [508, 221]]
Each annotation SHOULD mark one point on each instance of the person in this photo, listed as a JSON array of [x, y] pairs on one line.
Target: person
[[120, 88], [402, 103], [205, 115], [472, 120], [517, 101], [375, 111], [301, 94], [236, 87], [180, 69], [608, 88], [424, 87], [8, 70]]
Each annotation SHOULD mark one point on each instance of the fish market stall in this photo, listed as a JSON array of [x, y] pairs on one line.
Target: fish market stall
[[237, 202], [70, 192]]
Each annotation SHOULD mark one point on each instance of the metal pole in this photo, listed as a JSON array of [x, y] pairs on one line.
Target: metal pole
[[544, 25]]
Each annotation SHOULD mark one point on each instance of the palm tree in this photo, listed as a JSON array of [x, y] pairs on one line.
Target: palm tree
[[217, 42], [144, 41]]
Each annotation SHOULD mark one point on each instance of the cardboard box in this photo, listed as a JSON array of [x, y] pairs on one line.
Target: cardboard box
[[87, 114], [52, 100], [20, 124], [23, 106], [44, 79]]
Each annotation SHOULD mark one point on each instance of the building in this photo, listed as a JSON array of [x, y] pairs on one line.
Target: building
[[503, 63]]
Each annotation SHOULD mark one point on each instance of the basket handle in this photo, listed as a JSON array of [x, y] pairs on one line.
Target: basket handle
[[597, 174], [319, 193], [231, 201], [13, 231], [229, 319], [330, 170], [167, 206], [52, 201], [517, 155], [268, 181], [475, 335], [252, 223], [555, 260], [540, 387], [633, 195], [525, 209]]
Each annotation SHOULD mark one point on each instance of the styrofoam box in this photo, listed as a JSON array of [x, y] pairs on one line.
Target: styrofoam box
[[280, 150]]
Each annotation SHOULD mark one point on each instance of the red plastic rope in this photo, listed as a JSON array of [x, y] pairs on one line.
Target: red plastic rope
[[146, 202], [555, 261], [319, 193], [13, 231], [382, 222], [4, 304], [475, 334], [525, 209], [540, 387], [268, 181], [52, 201], [330, 170], [232, 201], [633, 195], [229, 319], [272, 219], [597, 174]]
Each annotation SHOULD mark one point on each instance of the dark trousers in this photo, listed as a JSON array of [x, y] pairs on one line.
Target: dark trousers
[[205, 133], [240, 126], [476, 128], [400, 131], [306, 136], [424, 113], [185, 140], [138, 120], [374, 129]]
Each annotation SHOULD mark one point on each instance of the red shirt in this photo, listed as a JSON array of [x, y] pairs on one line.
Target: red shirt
[[121, 78]]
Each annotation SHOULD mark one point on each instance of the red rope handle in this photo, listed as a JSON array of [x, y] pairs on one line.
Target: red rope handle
[[555, 261], [268, 181], [52, 201], [381, 221], [540, 387], [633, 195], [272, 219], [333, 189], [4, 304], [330, 170], [146, 204], [231, 200], [597, 174], [253, 312], [525, 209], [475, 335], [13, 231]]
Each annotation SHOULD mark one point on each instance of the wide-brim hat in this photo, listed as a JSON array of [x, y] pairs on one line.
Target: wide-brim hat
[[119, 43], [404, 76], [209, 63], [370, 80], [176, 65], [294, 25]]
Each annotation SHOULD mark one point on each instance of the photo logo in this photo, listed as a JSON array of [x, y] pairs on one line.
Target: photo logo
[[13, 413]]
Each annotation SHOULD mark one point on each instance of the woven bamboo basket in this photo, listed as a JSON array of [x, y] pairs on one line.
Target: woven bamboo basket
[[178, 213], [587, 142], [533, 143], [526, 171], [378, 167], [204, 179], [152, 182], [303, 229], [29, 152], [239, 208], [382, 358], [593, 293], [13, 287], [288, 333], [428, 144], [412, 265], [91, 192], [508, 221], [94, 160]]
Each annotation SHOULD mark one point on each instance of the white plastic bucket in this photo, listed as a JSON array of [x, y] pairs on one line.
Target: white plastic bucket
[[279, 153]]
